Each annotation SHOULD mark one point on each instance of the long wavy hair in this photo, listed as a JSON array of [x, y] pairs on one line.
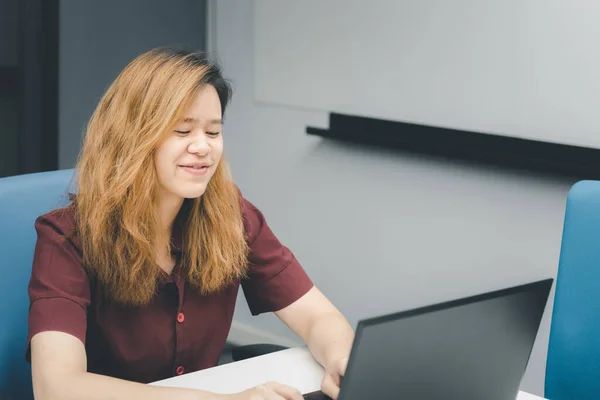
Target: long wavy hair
[[117, 189]]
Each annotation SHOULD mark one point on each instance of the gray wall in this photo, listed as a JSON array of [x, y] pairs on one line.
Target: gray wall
[[9, 19], [97, 40], [381, 231], [8, 96], [8, 133], [525, 69]]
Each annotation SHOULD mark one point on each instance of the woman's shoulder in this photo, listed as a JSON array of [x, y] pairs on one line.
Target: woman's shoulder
[[255, 223], [252, 217], [59, 224], [62, 218]]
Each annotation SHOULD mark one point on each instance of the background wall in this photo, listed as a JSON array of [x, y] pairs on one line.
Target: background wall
[[380, 231], [8, 32], [98, 39], [8, 133], [524, 68], [8, 88]]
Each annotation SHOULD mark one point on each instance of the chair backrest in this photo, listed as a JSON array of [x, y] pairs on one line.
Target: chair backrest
[[22, 199], [573, 366]]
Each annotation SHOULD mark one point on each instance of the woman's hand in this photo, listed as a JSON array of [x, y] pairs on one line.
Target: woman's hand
[[332, 380], [268, 391]]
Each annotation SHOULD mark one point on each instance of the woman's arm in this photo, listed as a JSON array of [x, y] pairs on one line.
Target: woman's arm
[[325, 330], [58, 363]]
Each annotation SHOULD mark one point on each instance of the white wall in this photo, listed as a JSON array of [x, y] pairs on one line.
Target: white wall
[[380, 231], [523, 68], [99, 38]]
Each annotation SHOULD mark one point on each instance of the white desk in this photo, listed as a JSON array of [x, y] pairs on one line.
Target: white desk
[[294, 367]]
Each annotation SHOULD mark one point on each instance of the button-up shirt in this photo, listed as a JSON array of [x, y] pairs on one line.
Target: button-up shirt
[[180, 330]]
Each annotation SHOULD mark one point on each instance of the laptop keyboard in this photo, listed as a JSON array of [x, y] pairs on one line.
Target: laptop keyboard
[[318, 395]]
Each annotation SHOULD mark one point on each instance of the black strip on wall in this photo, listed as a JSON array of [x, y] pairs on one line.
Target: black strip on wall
[[573, 161]]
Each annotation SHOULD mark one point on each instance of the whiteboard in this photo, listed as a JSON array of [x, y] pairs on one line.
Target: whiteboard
[[520, 68]]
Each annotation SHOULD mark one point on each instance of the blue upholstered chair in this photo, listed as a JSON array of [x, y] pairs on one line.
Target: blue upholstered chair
[[573, 366], [22, 199]]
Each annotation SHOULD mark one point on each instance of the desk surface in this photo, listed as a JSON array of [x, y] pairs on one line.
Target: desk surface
[[294, 367]]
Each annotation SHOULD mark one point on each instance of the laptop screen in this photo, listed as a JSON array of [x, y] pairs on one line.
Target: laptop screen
[[476, 348]]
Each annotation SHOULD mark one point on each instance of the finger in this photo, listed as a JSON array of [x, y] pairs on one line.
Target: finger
[[342, 366], [287, 392], [271, 395], [336, 377], [266, 392], [329, 387]]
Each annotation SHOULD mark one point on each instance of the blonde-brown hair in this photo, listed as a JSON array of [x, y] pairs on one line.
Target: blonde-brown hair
[[116, 210]]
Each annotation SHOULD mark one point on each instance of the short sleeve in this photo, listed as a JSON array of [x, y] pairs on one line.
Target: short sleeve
[[275, 278], [59, 290]]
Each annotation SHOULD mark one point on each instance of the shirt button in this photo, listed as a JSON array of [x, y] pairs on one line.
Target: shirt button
[[180, 317], [179, 370]]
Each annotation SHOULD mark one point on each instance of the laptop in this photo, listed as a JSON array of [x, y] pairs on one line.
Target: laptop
[[472, 348]]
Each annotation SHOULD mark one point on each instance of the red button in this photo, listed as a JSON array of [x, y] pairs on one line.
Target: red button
[[180, 317], [179, 370]]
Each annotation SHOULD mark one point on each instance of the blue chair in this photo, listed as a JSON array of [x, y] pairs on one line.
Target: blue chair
[[573, 365], [22, 199]]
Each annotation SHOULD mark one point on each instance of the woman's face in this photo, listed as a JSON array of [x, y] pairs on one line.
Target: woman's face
[[188, 158]]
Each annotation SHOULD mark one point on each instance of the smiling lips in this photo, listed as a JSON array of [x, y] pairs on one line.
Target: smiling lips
[[196, 168]]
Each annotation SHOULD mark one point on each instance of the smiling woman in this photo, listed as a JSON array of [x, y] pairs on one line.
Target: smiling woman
[[185, 162], [142, 118], [137, 279]]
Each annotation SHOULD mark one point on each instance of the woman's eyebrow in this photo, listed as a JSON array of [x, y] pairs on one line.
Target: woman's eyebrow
[[195, 120]]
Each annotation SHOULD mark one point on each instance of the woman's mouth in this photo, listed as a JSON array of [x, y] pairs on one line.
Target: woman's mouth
[[196, 169]]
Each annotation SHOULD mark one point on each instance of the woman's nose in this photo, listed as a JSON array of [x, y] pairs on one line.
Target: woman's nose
[[199, 145]]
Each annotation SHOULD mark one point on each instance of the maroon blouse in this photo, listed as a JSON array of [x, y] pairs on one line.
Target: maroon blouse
[[180, 330]]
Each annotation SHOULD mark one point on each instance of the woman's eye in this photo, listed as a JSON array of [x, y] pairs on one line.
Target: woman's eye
[[183, 132], [213, 133]]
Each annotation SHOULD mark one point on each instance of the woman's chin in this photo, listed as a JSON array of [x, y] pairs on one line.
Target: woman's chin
[[193, 193]]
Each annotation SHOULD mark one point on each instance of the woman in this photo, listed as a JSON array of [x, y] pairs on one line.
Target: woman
[[136, 280]]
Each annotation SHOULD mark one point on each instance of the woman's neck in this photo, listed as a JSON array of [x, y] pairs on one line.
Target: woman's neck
[[168, 208]]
